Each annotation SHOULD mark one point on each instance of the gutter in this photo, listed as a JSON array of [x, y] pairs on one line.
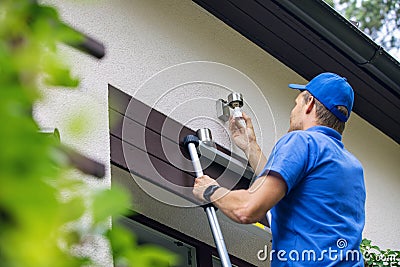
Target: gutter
[[347, 38]]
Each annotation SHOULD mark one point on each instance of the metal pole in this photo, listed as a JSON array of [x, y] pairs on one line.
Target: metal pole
[[191, 142]]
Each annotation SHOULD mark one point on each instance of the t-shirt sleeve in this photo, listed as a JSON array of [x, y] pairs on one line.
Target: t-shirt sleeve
[[289, 158]]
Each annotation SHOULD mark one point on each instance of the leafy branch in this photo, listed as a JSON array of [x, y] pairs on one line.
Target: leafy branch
[[374, 256], [47, 215], [380, 19]]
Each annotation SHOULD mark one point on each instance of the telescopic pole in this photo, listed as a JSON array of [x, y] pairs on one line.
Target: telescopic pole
[[191, 142]]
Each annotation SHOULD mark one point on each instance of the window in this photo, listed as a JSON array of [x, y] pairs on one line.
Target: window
[[216, 262], [147, 235]]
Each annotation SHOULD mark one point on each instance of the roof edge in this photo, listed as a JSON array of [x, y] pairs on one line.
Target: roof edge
[[342, 34]]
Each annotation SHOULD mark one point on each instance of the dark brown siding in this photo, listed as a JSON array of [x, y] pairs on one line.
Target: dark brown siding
[[137, 145], [152, 145]]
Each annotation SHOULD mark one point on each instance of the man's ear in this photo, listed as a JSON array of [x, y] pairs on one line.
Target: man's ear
[[310, 104]]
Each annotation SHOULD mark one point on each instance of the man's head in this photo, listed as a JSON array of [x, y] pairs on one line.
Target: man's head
[[328, 97]]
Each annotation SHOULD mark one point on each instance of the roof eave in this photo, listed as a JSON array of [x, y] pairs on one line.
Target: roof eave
[[347, 38]]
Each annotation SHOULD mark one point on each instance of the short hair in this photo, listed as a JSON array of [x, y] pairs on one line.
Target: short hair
[[325, 117]]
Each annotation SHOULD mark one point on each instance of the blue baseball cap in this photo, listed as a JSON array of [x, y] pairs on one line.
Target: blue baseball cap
[[331, 90]]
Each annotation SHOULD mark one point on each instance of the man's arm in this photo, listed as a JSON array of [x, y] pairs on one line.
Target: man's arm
[[245, 139], [245, 206]]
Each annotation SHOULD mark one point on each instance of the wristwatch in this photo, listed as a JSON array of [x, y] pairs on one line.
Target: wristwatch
[[209, 191]]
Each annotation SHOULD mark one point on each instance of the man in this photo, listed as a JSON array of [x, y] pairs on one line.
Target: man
[[312, 184]]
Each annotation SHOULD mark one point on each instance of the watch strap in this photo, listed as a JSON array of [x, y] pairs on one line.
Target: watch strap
[[209, 191]]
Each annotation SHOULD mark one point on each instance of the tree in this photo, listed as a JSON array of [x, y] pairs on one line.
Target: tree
[[380, 19], [41, 202]]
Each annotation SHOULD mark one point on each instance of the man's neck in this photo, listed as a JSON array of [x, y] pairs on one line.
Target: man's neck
[[309, 124]]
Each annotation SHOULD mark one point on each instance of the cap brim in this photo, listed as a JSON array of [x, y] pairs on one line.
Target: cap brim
[[297, 86]]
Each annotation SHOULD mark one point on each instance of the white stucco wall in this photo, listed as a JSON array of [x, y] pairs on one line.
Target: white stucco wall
[[145, 37]]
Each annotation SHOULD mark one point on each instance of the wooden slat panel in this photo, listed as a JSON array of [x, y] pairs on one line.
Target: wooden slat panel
[[168, 151], [164, 174], [146, 116], [117, 99], [151, 145], [151, 142], [151, 119], [152, 169]]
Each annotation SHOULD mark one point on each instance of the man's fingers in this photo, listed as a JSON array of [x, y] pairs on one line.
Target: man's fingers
[[232, 126], [247, 120], [204, 180], [236, 124]]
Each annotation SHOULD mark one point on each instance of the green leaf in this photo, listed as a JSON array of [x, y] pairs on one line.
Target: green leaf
[[155, 256], [110, 202], [120, 240], [366, 242], [72, 210], [378, 18], [37, 200], [127, 253], [60, 76], [376, 247]]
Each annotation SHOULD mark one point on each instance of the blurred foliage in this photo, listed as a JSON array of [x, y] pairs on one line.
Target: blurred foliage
[[380, 19], [42, 206], [374, 256]]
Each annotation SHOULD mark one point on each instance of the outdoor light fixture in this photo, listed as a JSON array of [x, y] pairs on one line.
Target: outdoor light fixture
[[235, 102]]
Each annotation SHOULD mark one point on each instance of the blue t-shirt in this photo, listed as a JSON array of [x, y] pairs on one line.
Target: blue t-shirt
[[320, 220]]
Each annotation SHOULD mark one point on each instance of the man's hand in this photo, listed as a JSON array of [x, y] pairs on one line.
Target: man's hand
[[243, 137], [200, 185]]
